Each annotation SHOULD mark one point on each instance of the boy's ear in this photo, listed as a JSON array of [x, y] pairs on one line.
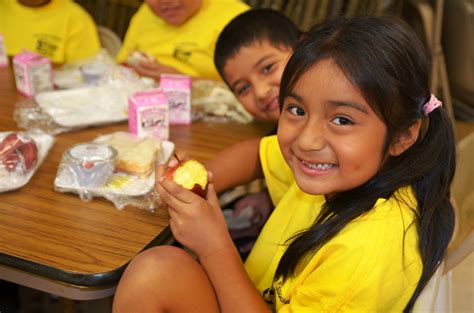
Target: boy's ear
[[405, 139]]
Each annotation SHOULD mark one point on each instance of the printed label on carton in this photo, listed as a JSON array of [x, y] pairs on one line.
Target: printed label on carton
[[178, 91], [148, 115]]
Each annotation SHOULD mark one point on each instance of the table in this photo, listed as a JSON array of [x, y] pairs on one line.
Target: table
[[57, 243]]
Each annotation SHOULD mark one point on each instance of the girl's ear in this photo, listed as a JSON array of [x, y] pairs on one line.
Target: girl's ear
[[405, 139]]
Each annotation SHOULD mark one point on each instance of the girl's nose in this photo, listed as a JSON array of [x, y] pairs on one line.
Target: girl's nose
[[312, 137]]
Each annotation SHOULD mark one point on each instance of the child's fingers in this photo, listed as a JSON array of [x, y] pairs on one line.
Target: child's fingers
[[179, 193], [159, 173], [212, 196]]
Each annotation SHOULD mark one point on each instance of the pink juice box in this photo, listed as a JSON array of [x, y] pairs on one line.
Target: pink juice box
[[178, 91], [3, 53], [148, 114], [33, 73]]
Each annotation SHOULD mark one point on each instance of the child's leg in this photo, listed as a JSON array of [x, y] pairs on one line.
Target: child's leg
[[164, 279]]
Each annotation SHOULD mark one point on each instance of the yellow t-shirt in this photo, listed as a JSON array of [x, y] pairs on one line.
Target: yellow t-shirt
[[61, 30], [372, 265], [189, 47]]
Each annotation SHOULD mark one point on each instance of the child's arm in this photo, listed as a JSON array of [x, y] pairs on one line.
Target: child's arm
[[199, 224], [236, 165]]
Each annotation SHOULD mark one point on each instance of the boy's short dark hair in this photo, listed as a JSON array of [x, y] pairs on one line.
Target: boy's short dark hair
[[251, 26]]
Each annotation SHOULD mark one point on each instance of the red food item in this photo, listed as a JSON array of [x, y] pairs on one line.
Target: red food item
[[189, 174], [18, 152]]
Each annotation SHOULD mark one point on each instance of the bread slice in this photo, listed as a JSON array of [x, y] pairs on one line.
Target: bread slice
[[135, 156]]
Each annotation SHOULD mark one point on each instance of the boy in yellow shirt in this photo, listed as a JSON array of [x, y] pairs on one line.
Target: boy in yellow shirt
[[58, 29], [251, 53], [179, 36]]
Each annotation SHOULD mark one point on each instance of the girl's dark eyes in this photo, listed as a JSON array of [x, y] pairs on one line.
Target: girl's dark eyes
[[340, 120], [268, 68], [295, 110]]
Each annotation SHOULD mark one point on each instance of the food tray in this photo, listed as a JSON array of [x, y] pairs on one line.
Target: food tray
[[119, 186]]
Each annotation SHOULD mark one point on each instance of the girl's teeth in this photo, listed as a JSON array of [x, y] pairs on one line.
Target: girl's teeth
[[318, 166]]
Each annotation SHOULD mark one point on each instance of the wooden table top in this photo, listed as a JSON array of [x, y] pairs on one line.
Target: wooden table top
[[61, 237]]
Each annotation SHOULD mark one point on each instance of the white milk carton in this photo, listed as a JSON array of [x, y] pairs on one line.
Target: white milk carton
[[148, 114], [178, 91], [33, 73], [3, 53]]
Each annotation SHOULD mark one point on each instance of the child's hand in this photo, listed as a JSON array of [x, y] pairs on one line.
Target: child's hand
[[195, 222], [154, 69]]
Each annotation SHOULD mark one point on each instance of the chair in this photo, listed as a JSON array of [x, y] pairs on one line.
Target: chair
[[436, 296], [431, 20], [459, 48], [463, 196], [109, 40]]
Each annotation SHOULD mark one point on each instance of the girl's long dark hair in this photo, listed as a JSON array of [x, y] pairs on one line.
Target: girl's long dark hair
[[389, 65]]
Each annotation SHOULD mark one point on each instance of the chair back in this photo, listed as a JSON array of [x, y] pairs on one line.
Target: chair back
[[462, 191], [437, 295], [428, 298], [109, 40]]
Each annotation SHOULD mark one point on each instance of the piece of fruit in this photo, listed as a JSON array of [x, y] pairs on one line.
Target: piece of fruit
[[190, 174], [18, 151]]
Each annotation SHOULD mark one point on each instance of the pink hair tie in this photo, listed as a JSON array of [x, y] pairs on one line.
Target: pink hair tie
[[431, 105]]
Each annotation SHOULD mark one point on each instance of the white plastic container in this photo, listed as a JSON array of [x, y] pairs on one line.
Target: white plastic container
[[91, 164]]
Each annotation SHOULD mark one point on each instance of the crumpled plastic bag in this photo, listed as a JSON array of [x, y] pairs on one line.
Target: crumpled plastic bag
[[213, 101]]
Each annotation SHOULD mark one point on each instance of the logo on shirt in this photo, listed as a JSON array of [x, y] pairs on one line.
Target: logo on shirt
[[183, 51], [270, 293], [47, 44]]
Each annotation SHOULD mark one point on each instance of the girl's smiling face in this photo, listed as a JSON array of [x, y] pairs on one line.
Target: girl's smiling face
[[328, 133], [254, 75]]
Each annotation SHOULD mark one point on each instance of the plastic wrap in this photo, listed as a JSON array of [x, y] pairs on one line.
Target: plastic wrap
[[213, 101], [91, 170], [21, 153], [66, 110]]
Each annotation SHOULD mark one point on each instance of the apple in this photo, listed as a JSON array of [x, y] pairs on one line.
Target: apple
[[18, 150], [190, 174]]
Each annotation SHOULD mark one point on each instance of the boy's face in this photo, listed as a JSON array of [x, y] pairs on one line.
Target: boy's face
[[254, 75], [174, 12], [34, 3]]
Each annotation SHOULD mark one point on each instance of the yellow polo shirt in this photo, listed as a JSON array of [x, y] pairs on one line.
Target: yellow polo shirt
[[61, 30], [372, 265], [189, 47]]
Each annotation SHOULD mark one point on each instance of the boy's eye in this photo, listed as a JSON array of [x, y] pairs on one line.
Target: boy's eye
[[342, 121], [295, 110], [267, 68], [241, 90]]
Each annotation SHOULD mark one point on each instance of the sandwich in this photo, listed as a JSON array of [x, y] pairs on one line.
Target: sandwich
[[135, 156]]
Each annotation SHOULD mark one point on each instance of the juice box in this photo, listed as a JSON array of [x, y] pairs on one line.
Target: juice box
[[148, 114], [3, 53], [33, 73], [178, 91]]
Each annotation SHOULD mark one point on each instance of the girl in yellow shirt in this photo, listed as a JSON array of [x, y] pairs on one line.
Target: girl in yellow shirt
[[359, 172]]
